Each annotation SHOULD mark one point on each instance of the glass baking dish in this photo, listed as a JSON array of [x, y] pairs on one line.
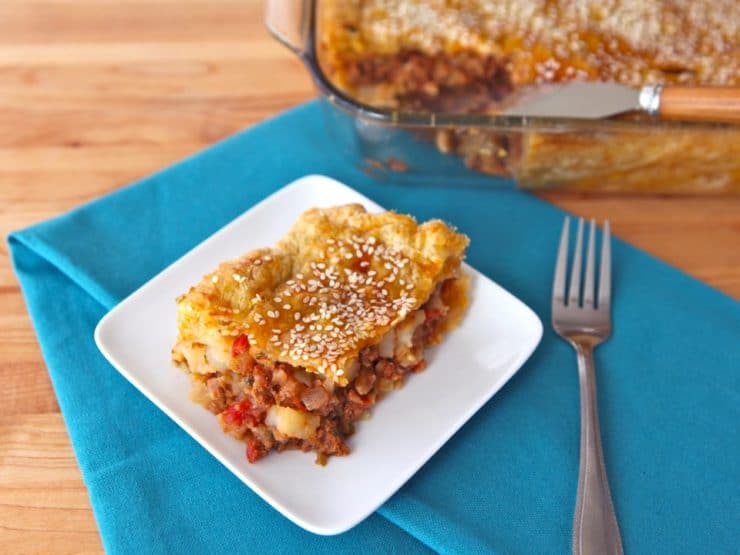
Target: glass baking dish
[[643, 155]]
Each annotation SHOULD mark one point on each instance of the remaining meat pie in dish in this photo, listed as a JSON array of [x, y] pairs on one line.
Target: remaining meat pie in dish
[[291, 345]]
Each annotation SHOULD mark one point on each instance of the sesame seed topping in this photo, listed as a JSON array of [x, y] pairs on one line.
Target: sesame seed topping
[[214, 279], [340, 303]]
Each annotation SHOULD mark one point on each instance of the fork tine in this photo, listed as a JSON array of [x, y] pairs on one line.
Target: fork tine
[[558, 284], [588, 287], [605, 277], [575, 271]]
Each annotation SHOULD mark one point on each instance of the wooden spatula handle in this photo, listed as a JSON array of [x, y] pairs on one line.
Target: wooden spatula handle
[[720, 104]]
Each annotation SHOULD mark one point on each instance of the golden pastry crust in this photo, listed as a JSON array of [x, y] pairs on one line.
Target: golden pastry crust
[[629, 41], [336, 283]]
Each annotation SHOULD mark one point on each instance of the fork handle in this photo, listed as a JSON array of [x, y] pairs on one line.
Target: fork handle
[[595, 529]]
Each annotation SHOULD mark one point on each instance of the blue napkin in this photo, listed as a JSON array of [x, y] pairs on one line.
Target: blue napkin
[[669, 378]]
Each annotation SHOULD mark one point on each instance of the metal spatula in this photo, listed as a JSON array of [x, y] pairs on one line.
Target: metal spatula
[[593, 100]]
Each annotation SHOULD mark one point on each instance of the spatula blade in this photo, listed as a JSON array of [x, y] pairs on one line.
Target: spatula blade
[[586, 100]]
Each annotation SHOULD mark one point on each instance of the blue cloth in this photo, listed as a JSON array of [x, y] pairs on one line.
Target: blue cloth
[[669, 378]]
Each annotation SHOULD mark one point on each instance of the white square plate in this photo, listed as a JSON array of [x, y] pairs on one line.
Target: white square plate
[[497, 335]]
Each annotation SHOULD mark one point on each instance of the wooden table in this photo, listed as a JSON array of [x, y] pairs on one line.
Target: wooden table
[[96, 93]]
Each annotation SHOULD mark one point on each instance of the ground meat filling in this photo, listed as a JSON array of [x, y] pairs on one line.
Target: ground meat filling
[[278, 406], [462, 82]]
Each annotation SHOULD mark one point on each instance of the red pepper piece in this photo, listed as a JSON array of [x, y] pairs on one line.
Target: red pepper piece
[[236, 414], [242, 412], [240, 345]]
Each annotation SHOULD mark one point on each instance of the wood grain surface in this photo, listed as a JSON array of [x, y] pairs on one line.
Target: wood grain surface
[[96, 93]]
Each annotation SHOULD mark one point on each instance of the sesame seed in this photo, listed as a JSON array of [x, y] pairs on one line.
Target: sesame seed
[[286, 306], [214, 279]]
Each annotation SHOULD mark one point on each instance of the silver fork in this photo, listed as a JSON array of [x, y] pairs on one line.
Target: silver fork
[[584, 324]]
